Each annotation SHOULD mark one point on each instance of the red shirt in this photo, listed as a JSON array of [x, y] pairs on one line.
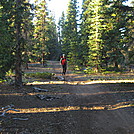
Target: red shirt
[[63, 61]]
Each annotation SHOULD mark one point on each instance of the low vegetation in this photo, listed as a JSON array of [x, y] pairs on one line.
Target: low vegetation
[[43, 75]]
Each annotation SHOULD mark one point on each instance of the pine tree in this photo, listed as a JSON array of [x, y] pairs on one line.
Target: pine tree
[[61, 33], [92, 29], [127, 33], [45, 34], [22, 12], [6, 37], [52, 42], [14, 14], [105, 33], [41, 22], [70, 32], [114, 38]]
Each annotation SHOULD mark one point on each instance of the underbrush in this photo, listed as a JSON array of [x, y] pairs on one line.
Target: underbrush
[[44, 75]]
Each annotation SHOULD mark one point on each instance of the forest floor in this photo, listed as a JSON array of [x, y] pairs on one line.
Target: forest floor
[[80, 104]]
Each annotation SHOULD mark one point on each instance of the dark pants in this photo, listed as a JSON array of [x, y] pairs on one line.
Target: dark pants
[[64, 69]]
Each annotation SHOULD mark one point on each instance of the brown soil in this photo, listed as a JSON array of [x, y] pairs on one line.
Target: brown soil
[[79, 105]]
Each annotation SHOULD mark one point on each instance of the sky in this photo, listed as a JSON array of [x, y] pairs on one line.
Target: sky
[[58, 6]]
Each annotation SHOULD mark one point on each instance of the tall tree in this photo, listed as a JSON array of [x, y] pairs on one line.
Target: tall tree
[[52, 42], [92, 29], [104, 32], [116, 33], [21, 14], [13, 16], [27, 34], [127, 33], [6, 36], [70, 31], [61, 32], [41, 15], [45, 33]]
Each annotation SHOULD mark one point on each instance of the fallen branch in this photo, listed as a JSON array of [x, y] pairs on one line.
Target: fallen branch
[[22, 119], [9, 109], [8, 106]]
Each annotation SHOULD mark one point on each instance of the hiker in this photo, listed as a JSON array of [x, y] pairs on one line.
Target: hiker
[[63, 62]]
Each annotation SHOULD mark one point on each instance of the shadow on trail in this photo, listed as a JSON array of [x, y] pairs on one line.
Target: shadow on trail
[[80, 104]]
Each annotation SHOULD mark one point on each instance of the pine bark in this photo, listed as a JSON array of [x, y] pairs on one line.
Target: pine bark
[[18, 71]]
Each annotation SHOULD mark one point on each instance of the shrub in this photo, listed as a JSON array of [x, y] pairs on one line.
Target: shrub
[[43, 75]]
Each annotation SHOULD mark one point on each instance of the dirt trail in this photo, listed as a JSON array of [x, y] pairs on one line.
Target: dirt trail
[[76, 107]]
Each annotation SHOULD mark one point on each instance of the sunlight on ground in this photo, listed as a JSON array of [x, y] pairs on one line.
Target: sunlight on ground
[[75, 108], [80, 82]]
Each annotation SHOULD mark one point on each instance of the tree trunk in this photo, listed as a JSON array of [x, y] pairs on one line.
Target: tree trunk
[[18, 72]]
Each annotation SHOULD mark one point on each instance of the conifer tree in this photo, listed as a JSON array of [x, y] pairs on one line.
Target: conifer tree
[[22, 13], [14, 14], [127, 33], [45, 34], [61, 32], [6, 37], [70, 34], [41, 22], [92, 29], [104, 33], [27, 34], [52, 42], [115, 35]]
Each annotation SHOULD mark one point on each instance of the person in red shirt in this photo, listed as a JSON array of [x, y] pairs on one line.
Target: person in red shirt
[[63, 62]]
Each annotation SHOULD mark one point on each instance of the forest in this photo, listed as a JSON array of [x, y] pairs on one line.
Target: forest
[[100, 38], [95, 96]]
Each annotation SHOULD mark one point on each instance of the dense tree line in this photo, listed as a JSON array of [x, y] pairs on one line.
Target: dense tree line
[[14, 17], [27, 34], [99, 38], [104, 37]]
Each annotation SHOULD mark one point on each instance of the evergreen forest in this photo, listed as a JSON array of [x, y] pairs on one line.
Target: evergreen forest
[[98, 37]]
